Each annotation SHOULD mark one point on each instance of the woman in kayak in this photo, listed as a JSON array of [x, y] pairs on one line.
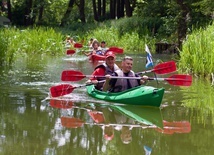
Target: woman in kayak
[[121, 84], [96, 49], [108, 67]]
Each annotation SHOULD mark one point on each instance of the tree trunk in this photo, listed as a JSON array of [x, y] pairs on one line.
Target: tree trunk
[[112, 9], [67, 13], [128, 8], [27, 15], [95, 10], [99, 8], [182, 22], [104, 8], [9, 12], [118, 8], [82, 11], [41, 9]]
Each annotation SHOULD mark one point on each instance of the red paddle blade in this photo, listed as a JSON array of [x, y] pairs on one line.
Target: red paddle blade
[[70, 52], [165, 68], [175, 127], [78, 45], [116, 50], [62, 104], [71, 122], [72, 75], [61, 90], [180, 80]]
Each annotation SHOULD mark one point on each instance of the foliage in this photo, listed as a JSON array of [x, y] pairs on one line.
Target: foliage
[[28, 42], [202, 91], [198, 52]]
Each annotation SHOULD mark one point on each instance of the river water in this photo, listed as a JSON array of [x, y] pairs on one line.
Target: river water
[[30, 123]]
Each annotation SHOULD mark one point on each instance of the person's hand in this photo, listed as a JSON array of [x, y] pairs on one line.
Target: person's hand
[[88, 82], [108, 77], [92, 82], [144, 77]]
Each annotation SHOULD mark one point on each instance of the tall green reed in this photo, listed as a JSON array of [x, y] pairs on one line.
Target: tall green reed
[[31, 41], [197, 56]]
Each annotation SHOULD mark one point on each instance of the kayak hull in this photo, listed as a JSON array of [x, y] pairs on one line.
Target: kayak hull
[[96, 57], [141, 95]]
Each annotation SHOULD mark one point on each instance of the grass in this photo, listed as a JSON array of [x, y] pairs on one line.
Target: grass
[[197, 56]]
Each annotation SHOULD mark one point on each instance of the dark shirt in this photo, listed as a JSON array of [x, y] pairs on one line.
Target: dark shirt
[[112, 82]]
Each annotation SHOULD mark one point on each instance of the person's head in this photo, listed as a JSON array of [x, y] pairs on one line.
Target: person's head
[[95, 45], [103, 44], [68, 37], [108, 132], [110, 59], [127, 64], [126, 136]]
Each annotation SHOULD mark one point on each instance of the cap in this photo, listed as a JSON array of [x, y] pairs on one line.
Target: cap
[[110, 54]]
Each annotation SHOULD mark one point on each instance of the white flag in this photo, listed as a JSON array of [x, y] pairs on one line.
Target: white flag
[[149, 62]]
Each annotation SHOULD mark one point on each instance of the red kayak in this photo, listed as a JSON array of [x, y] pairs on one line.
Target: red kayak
[[96, 57]]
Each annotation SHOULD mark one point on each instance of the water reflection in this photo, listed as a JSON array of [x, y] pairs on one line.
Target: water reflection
[[106, 123]]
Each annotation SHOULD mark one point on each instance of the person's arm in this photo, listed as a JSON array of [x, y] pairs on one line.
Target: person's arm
[[98, 72], [109, 83], [106, 85]]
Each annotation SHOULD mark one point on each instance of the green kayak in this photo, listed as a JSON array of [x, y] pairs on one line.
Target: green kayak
[[146, 115], [141, 95]]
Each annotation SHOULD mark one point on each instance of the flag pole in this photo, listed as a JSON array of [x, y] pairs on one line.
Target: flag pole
[[149, 61]]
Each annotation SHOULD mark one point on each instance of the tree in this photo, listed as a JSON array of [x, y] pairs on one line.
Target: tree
[[67, 13]]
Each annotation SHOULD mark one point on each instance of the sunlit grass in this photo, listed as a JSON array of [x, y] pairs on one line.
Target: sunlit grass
[[197, 56], [28, 42]]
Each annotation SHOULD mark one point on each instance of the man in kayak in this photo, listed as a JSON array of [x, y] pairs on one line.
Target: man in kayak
[[108, 67], [121, 84]]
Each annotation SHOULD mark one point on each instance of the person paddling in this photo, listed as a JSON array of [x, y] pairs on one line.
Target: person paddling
[[118, 85], [108, 67]]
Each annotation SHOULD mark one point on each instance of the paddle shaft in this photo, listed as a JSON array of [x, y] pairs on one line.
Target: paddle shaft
[[135, 78]]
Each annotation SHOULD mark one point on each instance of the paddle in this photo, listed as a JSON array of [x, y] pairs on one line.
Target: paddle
[[70, 52], [78, 45], [64, 89], [175, 127], [177, 79], [116, 50], [163, 68], [113, 48], [184, 127]]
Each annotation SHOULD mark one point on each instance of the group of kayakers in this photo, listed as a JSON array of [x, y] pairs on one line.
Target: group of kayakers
[[107, 70], [96, 48]]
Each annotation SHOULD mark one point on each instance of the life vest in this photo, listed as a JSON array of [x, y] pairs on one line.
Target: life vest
[[122, 84], [107, 71]]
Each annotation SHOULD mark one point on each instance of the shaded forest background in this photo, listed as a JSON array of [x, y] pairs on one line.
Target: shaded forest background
[[163, 19]]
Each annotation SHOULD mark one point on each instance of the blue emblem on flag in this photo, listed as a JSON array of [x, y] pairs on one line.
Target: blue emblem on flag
[[149, 62]]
